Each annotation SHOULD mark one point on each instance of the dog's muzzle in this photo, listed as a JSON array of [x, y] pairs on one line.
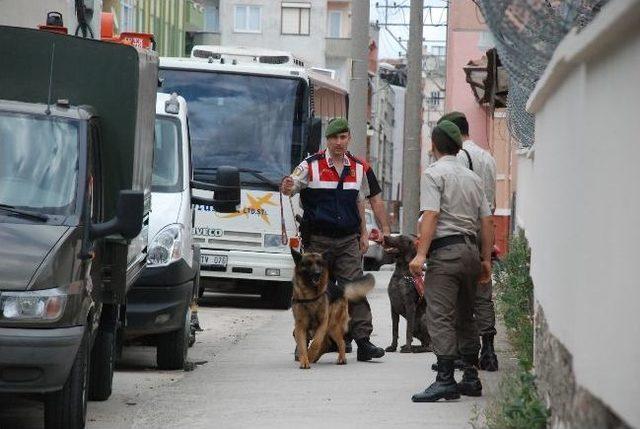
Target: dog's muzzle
[[315, 277]]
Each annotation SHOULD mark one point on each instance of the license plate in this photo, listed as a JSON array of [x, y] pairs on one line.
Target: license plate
[[219, 261]]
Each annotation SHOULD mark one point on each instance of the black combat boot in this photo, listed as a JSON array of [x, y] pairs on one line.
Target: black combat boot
[[488, 358], [470, 384], [444, 387], [367, 350], [457, 364]]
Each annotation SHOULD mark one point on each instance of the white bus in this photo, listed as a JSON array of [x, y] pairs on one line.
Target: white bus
[[262, 111]]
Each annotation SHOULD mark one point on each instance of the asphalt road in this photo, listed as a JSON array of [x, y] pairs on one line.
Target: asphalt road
[[246, 377]]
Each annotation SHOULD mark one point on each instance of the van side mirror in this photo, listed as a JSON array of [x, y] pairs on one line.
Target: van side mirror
[[226, 190], [314, 138], [128, 219]]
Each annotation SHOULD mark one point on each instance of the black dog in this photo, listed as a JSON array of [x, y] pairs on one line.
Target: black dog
[[404, 298]]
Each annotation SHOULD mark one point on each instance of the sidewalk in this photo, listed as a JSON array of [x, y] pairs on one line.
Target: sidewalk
[[256, 383]]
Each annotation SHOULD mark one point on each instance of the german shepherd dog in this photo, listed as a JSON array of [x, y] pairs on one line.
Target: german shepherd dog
[[320, 309], [404, 298]]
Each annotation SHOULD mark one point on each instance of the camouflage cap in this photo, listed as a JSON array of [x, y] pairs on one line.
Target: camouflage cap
[[451, 130], [452, 116], [336, 126]]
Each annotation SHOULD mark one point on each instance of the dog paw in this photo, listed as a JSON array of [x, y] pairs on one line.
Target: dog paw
[[391, 348], [304, 363], [341, 361], [406, 349]]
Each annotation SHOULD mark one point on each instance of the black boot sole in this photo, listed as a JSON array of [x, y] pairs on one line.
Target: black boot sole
[[447, 397], [469, 392]]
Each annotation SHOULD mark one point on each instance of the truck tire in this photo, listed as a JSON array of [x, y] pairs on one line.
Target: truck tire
[[67, 408], [172, 348], [279, 294], [103, 360]]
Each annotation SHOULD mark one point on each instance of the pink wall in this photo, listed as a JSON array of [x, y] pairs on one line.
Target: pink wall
[[462, 46]]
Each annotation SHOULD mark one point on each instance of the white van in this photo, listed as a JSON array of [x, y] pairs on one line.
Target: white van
[[158, 309]]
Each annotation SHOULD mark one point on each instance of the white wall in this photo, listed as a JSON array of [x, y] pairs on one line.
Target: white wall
[[310, 48], [580, 203]]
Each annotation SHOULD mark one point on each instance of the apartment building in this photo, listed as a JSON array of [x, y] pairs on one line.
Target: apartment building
[[317, 31]]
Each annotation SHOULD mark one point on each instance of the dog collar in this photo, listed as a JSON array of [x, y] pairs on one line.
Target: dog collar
[[304, 301]]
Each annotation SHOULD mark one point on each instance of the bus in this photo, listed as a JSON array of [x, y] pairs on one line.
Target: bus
[[263, 111]]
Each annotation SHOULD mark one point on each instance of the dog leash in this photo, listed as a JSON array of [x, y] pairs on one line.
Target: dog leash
[[284, 238]]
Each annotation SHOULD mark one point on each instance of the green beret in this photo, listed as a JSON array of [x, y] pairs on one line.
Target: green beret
[[451, 130], [452, 116], [336, 126]]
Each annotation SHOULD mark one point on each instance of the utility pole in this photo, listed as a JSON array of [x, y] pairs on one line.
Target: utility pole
[[412, 123], [358, 88]]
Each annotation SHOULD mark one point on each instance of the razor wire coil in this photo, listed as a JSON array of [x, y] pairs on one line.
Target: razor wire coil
[[526, 33]]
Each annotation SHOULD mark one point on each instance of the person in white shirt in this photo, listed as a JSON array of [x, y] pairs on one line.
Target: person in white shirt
[[481, 162]]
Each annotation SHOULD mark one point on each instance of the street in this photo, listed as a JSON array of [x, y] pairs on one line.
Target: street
[[246, 377]]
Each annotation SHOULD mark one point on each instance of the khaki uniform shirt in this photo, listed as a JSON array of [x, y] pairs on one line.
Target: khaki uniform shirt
[[484, 166], [457, 193]]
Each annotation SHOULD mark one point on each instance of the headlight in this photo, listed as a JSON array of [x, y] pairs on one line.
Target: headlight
[[166, 246], [273, 240], [46, 304]]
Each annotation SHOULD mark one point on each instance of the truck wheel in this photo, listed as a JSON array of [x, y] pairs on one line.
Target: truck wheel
[[172, 348], [280, 295], [67, 408], [103, 359]]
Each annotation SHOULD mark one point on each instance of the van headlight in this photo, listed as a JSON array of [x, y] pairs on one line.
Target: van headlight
[[273, 240], [45, 305], [166, 246]]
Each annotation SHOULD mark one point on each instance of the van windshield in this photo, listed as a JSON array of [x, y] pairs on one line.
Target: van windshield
[[167, 159], [38, 163]]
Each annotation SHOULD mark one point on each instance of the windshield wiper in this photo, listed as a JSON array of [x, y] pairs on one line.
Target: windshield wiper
[[24, 213], [255, 173]]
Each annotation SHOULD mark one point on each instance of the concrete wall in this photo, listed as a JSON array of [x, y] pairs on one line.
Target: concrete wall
[[579, 203], [310, 48]]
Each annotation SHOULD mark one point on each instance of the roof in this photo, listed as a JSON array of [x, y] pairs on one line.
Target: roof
[[71, 112], [318, 78]]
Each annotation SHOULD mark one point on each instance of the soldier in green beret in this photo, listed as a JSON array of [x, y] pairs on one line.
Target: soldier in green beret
[[333, 185], [454, 209], [483, 164]]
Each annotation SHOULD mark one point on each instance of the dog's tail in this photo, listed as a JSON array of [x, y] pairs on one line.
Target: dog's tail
[[359, 288]]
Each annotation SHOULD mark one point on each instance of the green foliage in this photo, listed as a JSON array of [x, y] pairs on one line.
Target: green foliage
[[514, 298], [516, 405]]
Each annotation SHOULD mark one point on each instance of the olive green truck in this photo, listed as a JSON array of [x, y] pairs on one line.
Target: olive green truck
[[76, 147]]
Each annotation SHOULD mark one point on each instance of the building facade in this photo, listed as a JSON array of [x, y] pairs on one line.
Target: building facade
[[468, 39], [172, 22]]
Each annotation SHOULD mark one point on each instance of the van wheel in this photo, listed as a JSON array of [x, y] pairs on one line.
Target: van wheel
[[172, 348], [103, 359], [67, 408], [279, 294]]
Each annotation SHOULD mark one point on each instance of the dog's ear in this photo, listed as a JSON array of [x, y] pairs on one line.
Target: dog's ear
[[297, 256]]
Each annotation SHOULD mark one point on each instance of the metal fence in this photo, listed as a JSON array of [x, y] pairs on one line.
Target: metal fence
[[526, 33]]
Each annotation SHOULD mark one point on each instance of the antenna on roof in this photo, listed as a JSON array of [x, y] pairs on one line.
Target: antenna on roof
[[53, 51]]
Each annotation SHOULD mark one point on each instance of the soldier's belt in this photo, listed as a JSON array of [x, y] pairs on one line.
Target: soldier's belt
[[450, 240]]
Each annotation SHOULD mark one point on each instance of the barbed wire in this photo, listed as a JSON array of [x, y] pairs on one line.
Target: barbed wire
[[526, 33]]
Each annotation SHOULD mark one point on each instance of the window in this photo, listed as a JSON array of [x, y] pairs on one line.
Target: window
[[296, 18], [247, 19], [127, 16], [335, 24], [439, 51]]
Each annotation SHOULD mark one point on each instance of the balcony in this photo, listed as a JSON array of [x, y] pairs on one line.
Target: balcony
[[338, 47]]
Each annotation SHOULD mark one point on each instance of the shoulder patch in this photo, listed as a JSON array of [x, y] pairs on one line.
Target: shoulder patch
[[315, 157]]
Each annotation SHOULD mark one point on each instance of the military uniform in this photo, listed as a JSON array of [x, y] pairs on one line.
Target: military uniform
[[453, 267], [332, 225], [483, 164]]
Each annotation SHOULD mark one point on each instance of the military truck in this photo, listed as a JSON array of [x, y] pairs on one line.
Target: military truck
[[76, 147]]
